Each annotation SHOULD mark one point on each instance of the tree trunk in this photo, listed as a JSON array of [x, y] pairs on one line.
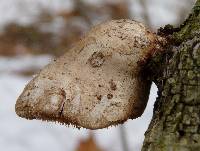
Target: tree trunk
[[176, 121]]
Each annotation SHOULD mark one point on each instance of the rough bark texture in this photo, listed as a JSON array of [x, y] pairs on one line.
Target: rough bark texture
[[176, 121]]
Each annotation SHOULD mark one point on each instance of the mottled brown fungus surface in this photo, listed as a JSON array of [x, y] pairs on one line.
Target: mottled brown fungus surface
[[97, 83]]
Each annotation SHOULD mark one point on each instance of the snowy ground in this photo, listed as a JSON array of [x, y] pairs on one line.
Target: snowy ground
[[17, 134]]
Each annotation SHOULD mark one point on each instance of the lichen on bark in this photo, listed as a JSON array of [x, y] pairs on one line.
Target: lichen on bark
[[175, 125]]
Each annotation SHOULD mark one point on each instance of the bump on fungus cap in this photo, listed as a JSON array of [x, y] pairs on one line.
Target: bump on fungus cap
[[97, 83]]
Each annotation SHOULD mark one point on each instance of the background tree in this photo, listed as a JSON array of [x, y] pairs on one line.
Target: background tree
[[176, 120]]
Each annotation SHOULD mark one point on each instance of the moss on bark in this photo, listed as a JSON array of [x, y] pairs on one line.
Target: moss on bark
[[176, 121]]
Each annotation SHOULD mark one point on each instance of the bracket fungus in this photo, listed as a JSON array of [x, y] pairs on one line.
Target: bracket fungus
[[98, 82]]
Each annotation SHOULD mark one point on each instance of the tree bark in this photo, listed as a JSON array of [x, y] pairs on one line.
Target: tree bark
[[175, 125]]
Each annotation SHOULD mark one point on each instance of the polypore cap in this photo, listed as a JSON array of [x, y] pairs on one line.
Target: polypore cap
[[98, 82]]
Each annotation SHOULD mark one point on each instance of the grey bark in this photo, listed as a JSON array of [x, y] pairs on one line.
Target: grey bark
[[175, 125]]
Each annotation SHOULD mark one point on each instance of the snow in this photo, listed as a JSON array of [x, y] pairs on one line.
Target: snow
[[21, 63], [17, 134]]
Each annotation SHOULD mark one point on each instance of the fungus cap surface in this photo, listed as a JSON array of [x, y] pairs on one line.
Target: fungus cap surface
[[97, 83]]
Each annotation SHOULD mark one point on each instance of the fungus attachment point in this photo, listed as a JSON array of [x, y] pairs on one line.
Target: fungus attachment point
[[98, 82]]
